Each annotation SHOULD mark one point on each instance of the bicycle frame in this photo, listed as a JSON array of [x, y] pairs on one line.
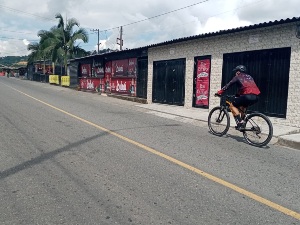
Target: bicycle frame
[[226, 106], [253, 129]]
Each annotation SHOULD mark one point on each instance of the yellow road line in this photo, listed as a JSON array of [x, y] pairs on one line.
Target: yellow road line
[[242, 191]]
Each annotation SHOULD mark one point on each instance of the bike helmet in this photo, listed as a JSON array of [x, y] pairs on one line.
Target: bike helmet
[[240, 68]]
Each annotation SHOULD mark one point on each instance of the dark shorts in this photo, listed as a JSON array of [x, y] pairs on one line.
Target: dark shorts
[[245, 100]]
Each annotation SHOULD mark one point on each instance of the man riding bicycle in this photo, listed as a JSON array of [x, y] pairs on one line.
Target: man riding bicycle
[[247, 94]]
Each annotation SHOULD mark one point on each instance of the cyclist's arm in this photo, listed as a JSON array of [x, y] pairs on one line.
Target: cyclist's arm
[[234, 80]]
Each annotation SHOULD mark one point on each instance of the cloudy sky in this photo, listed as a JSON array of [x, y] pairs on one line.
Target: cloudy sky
[[144, 22]]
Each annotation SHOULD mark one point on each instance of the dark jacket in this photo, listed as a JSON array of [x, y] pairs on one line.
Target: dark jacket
[[245, 84]]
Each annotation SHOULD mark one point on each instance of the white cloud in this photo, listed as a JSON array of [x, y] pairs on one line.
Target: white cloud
[[214, 24], [26, 42], [20, 22]]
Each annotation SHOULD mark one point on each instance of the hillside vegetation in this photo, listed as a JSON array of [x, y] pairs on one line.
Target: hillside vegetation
[[13, 61]]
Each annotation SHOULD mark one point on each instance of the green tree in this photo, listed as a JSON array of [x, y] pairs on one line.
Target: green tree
[[38, 53], [35, 52], [59, 44]]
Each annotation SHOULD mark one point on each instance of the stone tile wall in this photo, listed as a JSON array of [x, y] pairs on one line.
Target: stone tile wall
[[277, 36]]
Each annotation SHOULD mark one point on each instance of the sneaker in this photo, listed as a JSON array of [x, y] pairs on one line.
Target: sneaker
[[240, 126]]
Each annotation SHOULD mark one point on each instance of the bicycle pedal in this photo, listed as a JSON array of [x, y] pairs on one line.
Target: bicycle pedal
[[240, 128]]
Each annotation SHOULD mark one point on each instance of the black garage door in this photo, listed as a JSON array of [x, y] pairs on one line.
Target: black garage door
[[169, 81], [270, 69], [142, 77]]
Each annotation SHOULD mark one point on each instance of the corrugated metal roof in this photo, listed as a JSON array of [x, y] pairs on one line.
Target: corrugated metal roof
[[234, 30], [205, 35]]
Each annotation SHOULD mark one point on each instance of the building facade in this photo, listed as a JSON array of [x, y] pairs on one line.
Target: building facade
[[271, 51]]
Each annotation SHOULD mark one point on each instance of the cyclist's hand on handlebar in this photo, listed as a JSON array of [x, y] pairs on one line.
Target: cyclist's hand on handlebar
[[219, 93]]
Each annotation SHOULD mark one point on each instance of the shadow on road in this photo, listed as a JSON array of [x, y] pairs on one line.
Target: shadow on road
[[46, 156]]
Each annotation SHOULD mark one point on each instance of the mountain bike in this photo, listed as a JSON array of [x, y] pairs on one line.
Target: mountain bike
[[257, 131]]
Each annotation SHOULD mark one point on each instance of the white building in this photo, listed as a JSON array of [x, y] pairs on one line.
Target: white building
[[270, 51]]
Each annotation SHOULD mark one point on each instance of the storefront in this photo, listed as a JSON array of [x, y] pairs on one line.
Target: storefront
[[114, 72], [270, 51]]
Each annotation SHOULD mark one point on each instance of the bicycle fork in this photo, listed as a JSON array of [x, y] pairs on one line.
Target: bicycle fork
[[221, 115]]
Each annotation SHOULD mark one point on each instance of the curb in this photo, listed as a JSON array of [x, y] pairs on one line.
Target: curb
[[289, 141], [129, 98]]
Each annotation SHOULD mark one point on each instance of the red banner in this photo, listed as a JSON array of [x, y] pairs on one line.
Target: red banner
[[132, 64], [85, 70], [98, 68], [90, 84], [202, 82], [99, 71], [124, 67], [120, 67], [108, 68], [123, 85]]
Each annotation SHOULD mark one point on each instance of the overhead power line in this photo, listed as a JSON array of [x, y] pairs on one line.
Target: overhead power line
[[21, 39], [14, 31], [20, 11], [149, 18], [120, 38], [165, 13]]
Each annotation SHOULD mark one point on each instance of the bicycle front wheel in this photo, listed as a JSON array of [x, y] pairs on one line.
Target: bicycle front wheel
[[258, 129], [218, 121]]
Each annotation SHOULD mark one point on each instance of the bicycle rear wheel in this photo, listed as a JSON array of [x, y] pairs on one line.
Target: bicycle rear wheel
[[258, 129], [218, 121]]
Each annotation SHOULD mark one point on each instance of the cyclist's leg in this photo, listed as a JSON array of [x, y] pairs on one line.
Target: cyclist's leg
[[237, 103], [246, 101], [242, 102], [243, 110], [251, 99]]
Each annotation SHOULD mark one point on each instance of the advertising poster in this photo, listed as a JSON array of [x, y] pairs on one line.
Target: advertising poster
[[108, 72], [119, 67], [202, 82], [85, 70], [89, 84], [132, 64], [123, 86], [124, 67], [98, 68], [99, 71]]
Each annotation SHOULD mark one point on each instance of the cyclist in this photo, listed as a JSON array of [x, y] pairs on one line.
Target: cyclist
[[247, 94]]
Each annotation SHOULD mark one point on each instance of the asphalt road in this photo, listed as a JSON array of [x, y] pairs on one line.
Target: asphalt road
[[70, 157]]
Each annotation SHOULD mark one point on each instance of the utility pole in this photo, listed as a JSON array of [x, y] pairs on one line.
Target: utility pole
[[120, 39], [98, 38]]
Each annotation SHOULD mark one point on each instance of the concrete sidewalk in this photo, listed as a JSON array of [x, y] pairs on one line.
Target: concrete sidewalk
[[282, 135]]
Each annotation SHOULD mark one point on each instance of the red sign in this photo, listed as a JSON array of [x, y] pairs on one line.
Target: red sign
[[85, 70], [124, 67], [123, 85], [90, 83], [120, 67], [108, 68], [202, 82], [99, 71], [98, 68], [132, 64]]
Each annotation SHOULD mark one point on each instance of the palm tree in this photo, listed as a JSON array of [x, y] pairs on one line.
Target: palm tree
[[60, 41], [36, 53]]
